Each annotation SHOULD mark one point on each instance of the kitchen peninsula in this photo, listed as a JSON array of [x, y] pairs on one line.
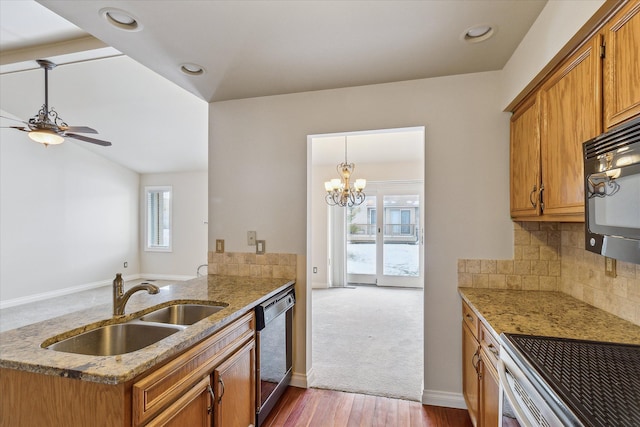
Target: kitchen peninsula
[[42, 385]]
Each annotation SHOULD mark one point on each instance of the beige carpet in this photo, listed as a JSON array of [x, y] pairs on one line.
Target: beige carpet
[[369, 340]]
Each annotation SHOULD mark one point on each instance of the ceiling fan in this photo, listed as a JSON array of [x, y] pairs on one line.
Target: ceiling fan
[[46, 127]]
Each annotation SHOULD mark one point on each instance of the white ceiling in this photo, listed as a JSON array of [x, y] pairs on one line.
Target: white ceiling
[[248, 48]]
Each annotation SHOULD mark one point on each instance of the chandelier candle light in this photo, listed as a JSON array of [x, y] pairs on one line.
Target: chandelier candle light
[[339, 190]]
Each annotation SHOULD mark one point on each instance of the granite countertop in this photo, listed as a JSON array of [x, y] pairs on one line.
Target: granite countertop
[[553, 314], [21, 348]]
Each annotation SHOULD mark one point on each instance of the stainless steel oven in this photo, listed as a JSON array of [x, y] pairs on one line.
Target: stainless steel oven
[[274, 323], [612, 192]]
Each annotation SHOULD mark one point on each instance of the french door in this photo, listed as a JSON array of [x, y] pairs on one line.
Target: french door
[[384, 243]]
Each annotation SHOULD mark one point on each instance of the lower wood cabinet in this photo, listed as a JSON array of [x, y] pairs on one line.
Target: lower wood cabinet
[[211, 384], [213, 381], [192, 409], [235, 389], [480, 386]]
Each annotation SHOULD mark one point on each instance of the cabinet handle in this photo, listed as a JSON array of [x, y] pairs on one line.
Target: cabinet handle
[[221, 394], [533, 202], [541, 198], [469, 317], [474, 361], [213, 399]]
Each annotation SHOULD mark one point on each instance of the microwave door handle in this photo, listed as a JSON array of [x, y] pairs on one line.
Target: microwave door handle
[[504, 385]]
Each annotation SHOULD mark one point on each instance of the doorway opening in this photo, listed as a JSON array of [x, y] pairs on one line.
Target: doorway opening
[[366, 265]]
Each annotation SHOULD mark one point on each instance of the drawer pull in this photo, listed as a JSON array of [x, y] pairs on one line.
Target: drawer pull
[[468, 317], [222, 393], [213, 399], [494, 350], [475, 361]]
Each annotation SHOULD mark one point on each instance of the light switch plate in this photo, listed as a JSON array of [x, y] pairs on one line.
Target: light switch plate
[[251, 238]]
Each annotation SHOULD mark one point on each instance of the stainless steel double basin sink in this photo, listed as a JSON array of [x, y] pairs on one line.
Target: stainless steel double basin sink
[[138, 333]]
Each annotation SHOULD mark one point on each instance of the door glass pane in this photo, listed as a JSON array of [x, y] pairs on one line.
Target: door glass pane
[[361, 237], [401, 249]]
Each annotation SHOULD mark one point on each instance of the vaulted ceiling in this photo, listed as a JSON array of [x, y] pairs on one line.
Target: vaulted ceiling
[[138, 97]]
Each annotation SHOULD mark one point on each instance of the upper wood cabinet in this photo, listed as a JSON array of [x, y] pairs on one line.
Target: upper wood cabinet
[[525, 160], [622, 66], [547, 132], [593, 88], [570, 109]]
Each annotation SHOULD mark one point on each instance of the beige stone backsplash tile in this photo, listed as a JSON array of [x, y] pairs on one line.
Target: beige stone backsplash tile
[[530, 252], [473, 266], [551, 256], [626, 269], [487, 266], [522, 267], [504, 266], [249, 264]]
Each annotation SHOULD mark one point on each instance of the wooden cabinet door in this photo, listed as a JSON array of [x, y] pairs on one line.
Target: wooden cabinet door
[[470, 382], [192, 409], [571, 114], [489, 393], [235, 384], [622, 66], [525, 160]]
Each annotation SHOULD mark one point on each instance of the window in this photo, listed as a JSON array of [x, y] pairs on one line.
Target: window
[[158, 208]]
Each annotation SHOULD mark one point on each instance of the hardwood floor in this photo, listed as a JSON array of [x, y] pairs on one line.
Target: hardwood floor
[[327, 408]]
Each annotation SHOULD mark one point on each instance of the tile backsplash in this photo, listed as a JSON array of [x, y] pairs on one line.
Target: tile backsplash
[[280, 266], [550, 256]]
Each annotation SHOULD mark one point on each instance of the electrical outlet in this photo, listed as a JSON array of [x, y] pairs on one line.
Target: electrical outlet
[[219, 246], [251, 238], [126, 264], [260, 247], [609, 267]]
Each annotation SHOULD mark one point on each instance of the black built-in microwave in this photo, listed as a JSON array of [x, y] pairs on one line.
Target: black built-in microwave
[[612, 192]]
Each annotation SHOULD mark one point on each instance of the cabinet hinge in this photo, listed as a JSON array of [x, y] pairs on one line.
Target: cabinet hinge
[[602, 50]]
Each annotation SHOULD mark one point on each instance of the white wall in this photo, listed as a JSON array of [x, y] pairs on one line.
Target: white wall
[[554, 27], [68, 217], [189, 211], [320, 174], [258, 176]]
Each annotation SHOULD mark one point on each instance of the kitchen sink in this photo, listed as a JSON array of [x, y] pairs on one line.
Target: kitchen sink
[[182, 314], [116, 339]]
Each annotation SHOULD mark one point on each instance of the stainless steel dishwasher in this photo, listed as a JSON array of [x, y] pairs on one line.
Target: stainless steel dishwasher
[[274, 322]]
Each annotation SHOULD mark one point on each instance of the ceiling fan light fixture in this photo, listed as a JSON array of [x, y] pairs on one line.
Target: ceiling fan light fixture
[[192, 69], [46, 137], [120, 19]]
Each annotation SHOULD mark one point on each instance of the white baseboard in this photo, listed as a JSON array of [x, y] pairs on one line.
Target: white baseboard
[[73, 289], [176, 277], [302, 380], [443, 398]]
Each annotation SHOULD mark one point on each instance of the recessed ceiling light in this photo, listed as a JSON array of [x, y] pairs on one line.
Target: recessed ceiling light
[[478, 33], [192, 69], [120, 19]]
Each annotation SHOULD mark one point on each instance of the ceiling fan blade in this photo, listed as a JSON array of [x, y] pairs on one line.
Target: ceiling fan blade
[[15, 120], [88, 139], [81, 129], [23, 129]]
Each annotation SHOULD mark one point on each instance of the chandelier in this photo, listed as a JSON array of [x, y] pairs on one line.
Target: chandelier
[[339, 191]]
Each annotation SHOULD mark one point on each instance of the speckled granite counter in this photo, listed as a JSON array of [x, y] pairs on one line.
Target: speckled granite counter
[[21, 348], [548, 314]]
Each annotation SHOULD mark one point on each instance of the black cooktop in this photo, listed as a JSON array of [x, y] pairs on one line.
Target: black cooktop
[[599, 381]]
